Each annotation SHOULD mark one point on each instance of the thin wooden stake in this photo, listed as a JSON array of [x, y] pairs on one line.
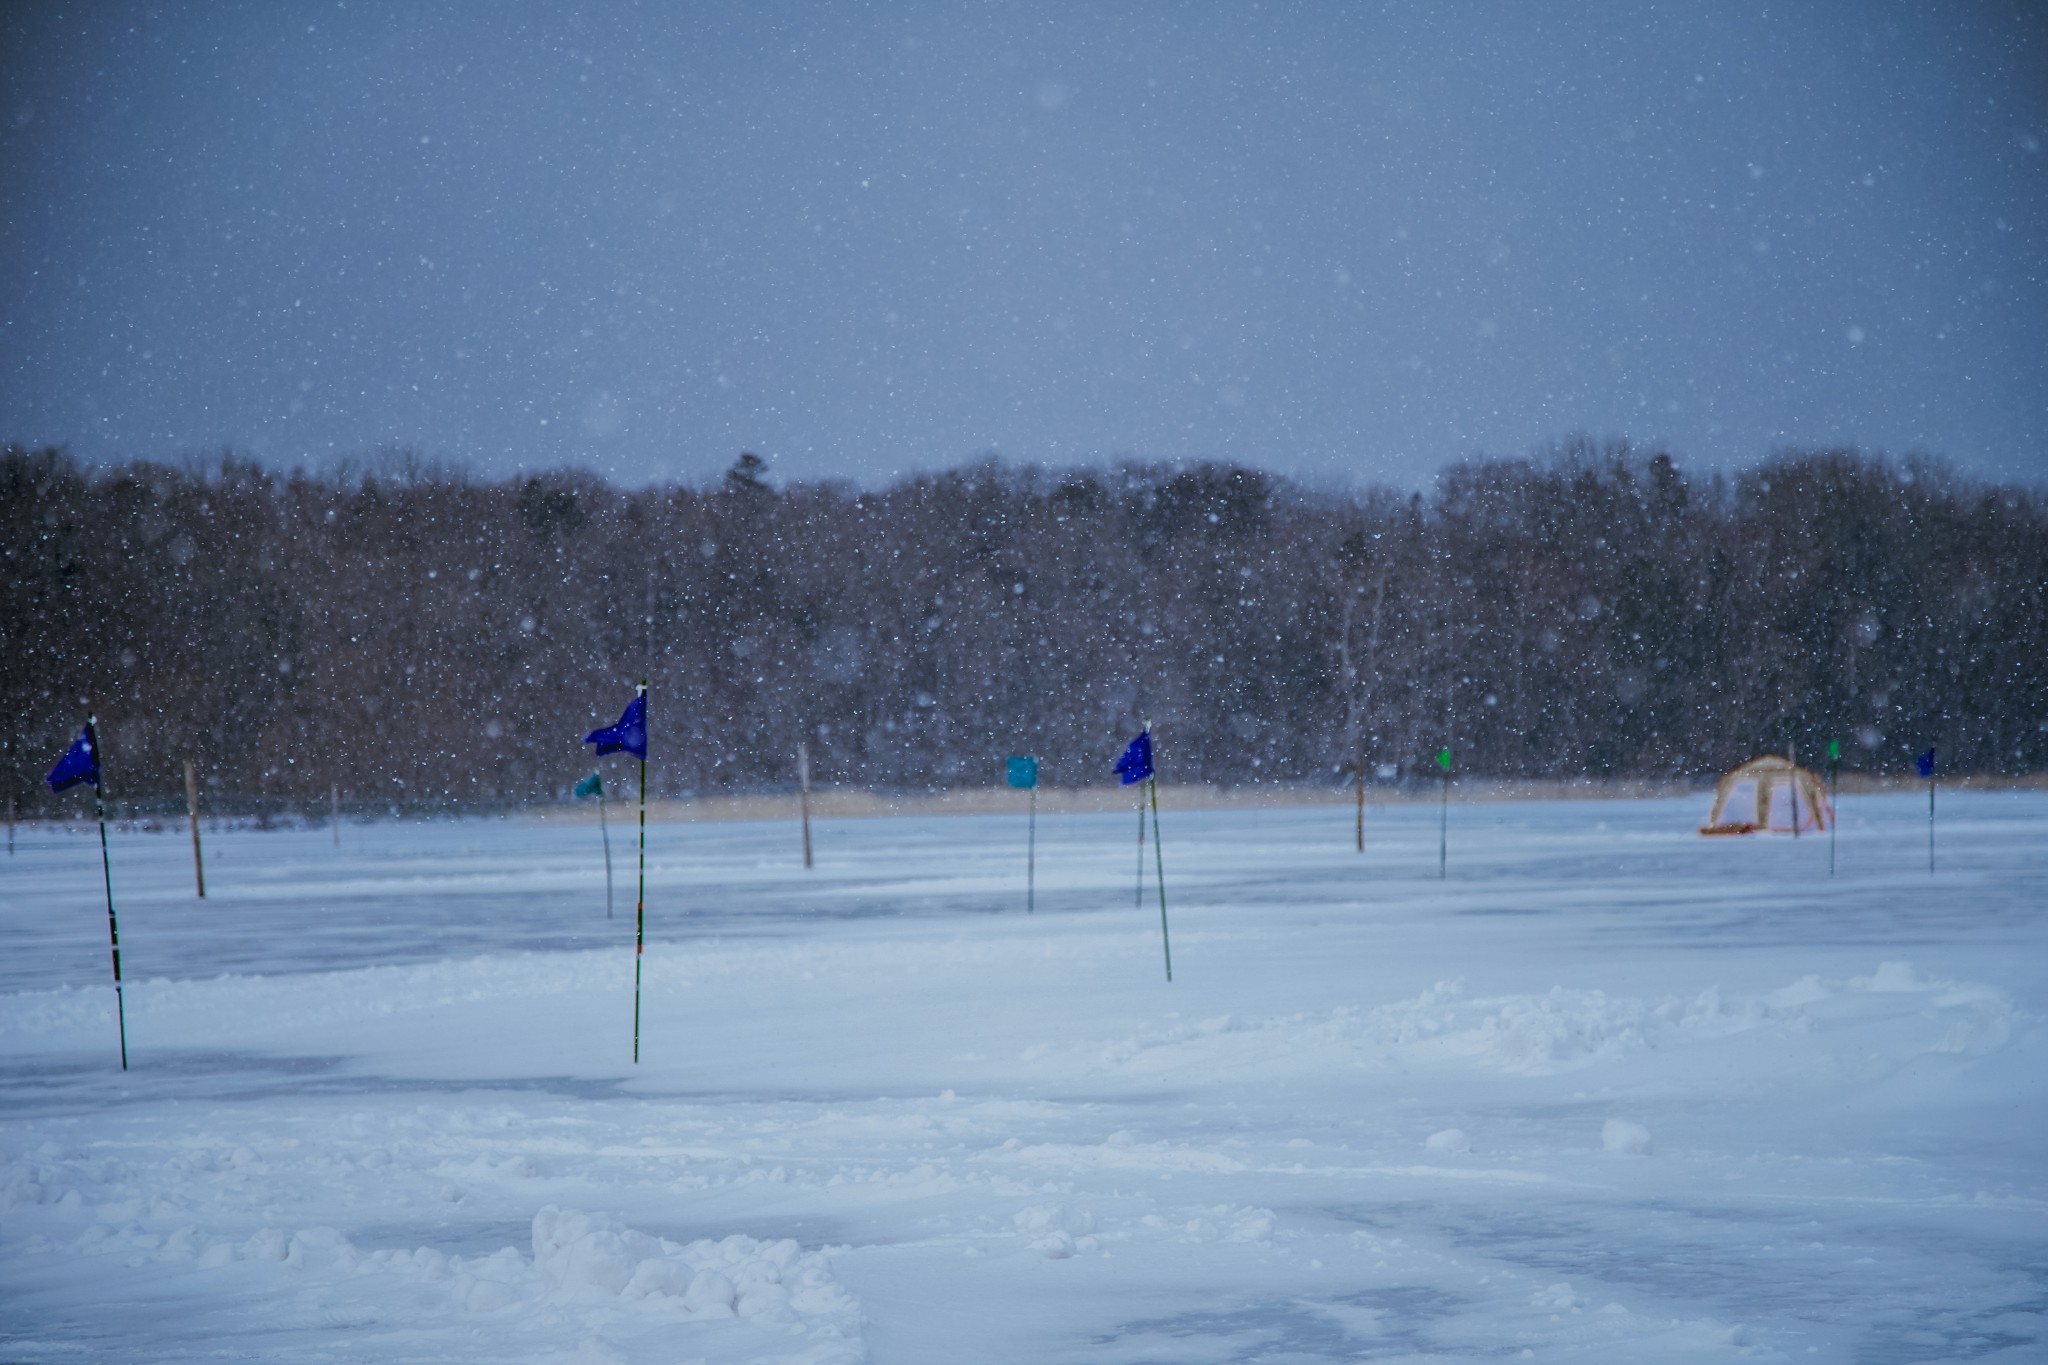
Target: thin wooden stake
[[192, 809], [1358, 781], [640, 904], [1141, 848], [99, 810], [803, 788], [605, 829], [334, 810], [1031, 855], [10, 827], [1792, 757], [1165, 941], [1930, 824], [1443, 834], [1834, 806]]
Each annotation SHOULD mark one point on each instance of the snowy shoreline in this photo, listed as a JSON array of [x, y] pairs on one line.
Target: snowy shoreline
[[167, 814]]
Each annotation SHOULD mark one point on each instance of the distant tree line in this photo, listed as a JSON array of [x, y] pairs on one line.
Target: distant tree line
[[418, 636]]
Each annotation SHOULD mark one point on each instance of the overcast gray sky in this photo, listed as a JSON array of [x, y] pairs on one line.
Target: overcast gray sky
[[1346, 242]]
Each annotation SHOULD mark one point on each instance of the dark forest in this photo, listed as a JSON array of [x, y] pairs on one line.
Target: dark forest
[[422, 638]]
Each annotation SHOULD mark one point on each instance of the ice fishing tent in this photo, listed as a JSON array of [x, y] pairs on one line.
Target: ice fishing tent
[[1768, 795]]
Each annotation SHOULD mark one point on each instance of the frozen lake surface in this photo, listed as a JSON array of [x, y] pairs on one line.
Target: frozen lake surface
[[1611, 1092]]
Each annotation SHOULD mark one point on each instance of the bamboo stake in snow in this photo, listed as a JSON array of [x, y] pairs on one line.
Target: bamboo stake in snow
[[99, 810], [1834, 797], [192, 809], [1443, 829], [334, 810], [1165, 941], [1141, 849], [640, 903], [1358, 782], [1930, 824], [605, 829], [1925, 763], [1792, 757], [1021, 771], [803, 790]]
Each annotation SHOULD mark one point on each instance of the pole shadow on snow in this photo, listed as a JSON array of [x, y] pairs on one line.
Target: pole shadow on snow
[[1742, 1260], [80, 1083], [1371, 1324]]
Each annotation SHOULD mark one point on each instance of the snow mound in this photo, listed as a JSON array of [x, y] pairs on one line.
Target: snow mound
[[1564, 1029], [586, 1256], [585, 1270], [1624, 1137]]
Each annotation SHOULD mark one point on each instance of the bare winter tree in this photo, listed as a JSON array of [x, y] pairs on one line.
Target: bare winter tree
[[419, 637]]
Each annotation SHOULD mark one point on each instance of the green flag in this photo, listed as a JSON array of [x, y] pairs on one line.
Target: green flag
[[592, 785], [1834, 749], [1443, 759]]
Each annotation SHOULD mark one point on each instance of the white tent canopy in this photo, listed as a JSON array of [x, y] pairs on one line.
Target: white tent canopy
[[1769, 795]]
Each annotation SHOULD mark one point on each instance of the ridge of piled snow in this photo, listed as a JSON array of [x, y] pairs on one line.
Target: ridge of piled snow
[[607, 1275], [1561, 1030]]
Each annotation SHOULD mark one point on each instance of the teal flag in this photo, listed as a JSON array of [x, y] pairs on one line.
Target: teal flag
[[592, 785], [1023, 772]]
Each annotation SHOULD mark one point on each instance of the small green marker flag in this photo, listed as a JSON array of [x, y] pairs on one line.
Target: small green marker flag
[[1443, 759], [593, 785]]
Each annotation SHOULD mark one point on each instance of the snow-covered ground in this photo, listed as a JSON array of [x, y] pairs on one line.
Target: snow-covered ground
[[1612, 1092]]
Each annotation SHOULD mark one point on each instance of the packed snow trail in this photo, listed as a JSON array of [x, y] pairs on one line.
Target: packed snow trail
[[1613, 1092]]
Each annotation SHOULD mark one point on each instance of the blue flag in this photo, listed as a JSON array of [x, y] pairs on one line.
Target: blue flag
[[1925, 763], [81, 763], [1136, 764], [1021, 771], [628, 736]]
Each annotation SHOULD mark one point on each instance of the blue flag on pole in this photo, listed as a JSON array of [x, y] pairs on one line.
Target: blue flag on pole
[[1021, 771], [1925, 763], [1136, 764], [81, 763], [628, 736]]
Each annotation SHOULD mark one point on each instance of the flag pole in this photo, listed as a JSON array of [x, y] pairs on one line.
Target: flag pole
[[1358, 782], [1443, 829], [803, 792], [99, 810], [1792, 757], [192, 809], [1141, 845], [1834, 797], [640, 905], [1031, 854], [1159, 861], [1930, 819], [604, 828]]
